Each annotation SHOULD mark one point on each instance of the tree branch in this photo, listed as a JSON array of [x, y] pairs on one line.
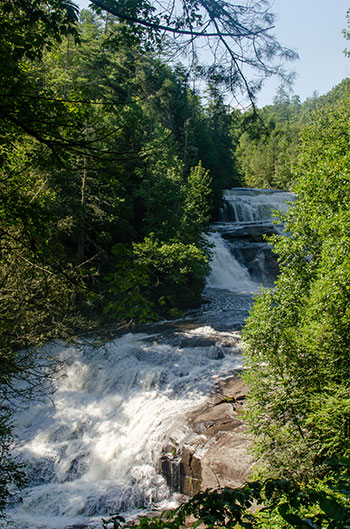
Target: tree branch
[[169, 29]]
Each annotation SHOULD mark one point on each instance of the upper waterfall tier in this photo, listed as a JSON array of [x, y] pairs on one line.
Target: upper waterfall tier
[[252, 205]]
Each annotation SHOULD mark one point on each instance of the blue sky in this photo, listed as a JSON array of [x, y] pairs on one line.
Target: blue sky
[[313, 28]]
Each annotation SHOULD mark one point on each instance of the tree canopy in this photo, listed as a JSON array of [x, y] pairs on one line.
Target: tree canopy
[[298, 334], [240, 47], [269, 142]]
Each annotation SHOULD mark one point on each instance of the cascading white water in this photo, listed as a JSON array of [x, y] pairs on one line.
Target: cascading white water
[[226, 272], [253, 205], [93, 448]]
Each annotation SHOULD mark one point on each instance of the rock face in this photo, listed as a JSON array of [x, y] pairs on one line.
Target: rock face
[[249, 232], [214, 453]]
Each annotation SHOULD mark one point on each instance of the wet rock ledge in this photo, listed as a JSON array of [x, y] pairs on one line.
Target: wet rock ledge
[[215, 449]]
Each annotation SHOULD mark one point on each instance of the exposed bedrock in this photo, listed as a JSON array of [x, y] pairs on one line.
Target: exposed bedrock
[[248, 232], [215, 449]]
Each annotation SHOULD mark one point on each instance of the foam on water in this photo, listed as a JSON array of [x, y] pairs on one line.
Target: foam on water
[[253, 205], [93, 449], [226, 272]]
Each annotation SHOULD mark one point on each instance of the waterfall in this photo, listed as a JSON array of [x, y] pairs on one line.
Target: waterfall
[[93, 448], [247, 215], [226, 271], [252, 205]]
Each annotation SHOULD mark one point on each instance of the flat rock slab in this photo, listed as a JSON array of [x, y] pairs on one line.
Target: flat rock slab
[[214, 451], [250, 232]]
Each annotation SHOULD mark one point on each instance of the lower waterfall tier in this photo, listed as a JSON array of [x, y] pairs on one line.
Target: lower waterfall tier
[[95, 445]]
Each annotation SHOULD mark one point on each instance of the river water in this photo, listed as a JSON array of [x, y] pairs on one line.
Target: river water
[[93, 447]]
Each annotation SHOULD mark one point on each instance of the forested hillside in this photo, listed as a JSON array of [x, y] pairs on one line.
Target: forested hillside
[[269, 142], [109, 143], [298, 334]]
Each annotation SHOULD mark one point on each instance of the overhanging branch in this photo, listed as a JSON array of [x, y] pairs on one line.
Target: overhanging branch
[[169, 29]]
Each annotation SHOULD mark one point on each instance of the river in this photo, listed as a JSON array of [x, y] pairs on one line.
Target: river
[[92, 448]]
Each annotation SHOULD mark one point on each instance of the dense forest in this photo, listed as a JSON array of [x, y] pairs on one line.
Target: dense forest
[[112, 168], [269, 146], [106, 192]]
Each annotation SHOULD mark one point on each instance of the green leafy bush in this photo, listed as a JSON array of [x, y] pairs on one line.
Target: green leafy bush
[[298, 335], [272, 504]]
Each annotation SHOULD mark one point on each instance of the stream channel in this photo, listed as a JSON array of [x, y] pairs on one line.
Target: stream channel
[[93, 447]]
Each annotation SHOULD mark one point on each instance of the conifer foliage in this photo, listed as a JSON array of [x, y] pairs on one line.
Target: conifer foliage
[[103, 200]]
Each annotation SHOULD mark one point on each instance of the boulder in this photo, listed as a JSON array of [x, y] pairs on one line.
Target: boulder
[[214, 450]]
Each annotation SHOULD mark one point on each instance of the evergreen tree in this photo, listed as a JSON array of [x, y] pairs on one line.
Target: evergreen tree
[[269, 142]]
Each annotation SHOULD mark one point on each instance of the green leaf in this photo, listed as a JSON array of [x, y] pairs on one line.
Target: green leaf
[[332, 508], [283, 508], [293, 519]]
